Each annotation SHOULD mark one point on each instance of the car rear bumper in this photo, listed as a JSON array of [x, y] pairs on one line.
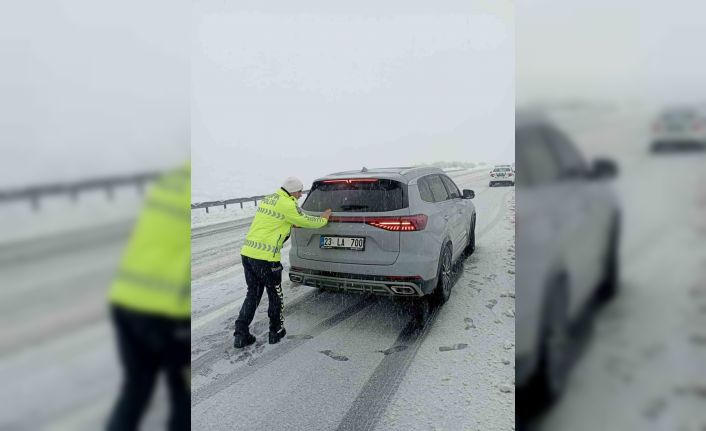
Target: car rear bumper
[[363, 283]]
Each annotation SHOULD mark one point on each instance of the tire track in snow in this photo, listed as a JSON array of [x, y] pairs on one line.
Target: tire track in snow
[[373, 399], [214, 354], [59, 245], [220, 228], [209, 390], [382, 385], [213, 266]]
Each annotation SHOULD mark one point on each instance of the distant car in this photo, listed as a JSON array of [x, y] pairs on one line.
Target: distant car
[[502, 175], [395, 232], [679, 129], [568, 228]]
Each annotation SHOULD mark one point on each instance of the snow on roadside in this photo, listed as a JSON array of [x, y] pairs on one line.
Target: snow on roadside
[[215, 215]]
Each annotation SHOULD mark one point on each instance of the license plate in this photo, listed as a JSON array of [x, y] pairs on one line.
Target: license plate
[[501, 175], [342, 242]]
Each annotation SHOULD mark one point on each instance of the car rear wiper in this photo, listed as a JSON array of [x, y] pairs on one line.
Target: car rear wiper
[[354, 207]]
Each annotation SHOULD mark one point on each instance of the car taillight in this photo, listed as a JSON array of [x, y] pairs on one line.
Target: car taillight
[[509, 174], [492, 174], [656, 126], [698, 125], [392, 223]]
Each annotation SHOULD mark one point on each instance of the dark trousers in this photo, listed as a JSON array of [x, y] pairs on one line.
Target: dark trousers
[[261, 275], [148, 344]]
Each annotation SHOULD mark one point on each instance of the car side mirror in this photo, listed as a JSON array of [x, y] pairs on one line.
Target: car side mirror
[[604, 169], [468, 194]]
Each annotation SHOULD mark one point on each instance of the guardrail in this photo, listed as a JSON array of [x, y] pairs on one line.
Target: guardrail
[[227, 202], [34, 193]]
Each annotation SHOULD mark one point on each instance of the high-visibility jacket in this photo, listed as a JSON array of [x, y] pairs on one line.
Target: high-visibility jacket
[[272, 225], [154, 276]]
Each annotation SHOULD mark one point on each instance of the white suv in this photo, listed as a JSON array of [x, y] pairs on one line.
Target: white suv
[[679, 129], [394, 231], [567, 242]]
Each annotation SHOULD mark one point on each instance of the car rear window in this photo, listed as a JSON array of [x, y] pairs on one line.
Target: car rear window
[[502, 169], [351, 196]]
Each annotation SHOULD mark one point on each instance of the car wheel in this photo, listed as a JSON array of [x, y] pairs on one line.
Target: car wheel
[[491, 184], [608, 287], [471, 247], [550, 377], [442, 292]]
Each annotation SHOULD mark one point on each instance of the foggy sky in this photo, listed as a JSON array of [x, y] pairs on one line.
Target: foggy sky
[[611, 49], [92, 88], [310, 90]]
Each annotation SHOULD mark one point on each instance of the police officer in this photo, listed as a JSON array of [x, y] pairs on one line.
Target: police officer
[[261, 257], [151, 305]]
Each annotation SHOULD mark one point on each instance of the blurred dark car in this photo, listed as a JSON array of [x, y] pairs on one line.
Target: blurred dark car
[[568, 228], [682, 128]]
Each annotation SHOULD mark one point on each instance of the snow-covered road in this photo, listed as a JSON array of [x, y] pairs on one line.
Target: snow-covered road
[[58, 362], [358, 362]]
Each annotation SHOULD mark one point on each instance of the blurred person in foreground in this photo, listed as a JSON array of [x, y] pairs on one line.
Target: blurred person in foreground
[[151, 305], [260, 256]]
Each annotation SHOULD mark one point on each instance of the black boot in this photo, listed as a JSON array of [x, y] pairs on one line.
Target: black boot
[[275, 336], [241, 341]]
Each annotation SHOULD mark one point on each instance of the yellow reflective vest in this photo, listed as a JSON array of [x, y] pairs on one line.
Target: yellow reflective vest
[[272, 225], [154, 276]]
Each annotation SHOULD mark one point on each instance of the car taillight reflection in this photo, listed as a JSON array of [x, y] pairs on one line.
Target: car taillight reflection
[[392, 223]]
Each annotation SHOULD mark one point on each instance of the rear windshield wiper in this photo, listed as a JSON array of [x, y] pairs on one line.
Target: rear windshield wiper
[[354, 207]]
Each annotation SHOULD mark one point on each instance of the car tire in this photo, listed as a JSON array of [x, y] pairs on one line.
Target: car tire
[[442, 291], [548, 381], [471, 246], [608, 287], [491, 184]]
